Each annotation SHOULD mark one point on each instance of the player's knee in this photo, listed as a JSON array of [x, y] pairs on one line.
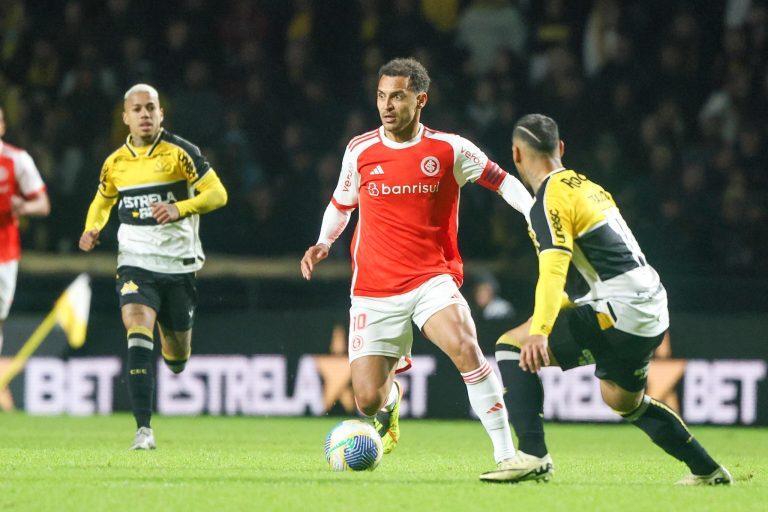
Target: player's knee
[[466, 354], [369, 401], [621, 401]]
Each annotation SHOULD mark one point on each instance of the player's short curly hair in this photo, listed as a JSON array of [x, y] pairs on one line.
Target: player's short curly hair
[[418, 78], [538, 131]]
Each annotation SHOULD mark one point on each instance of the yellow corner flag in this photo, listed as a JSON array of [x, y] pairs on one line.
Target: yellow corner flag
[[70, 313], [72, 310]]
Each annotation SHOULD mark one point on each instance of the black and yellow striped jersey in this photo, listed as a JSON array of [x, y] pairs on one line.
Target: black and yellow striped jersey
[[575, 220], [169, 170]]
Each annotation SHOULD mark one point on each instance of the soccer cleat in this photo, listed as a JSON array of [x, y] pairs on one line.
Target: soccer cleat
[[720, 476], [144, 440], [387, 424], [521, 468]]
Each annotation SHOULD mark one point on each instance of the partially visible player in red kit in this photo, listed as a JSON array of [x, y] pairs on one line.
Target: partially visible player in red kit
[[22, 193], [405, 178]]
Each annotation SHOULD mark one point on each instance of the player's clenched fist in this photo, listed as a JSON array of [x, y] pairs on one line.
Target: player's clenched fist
[[312, 256], [165, 212], [89, 240]]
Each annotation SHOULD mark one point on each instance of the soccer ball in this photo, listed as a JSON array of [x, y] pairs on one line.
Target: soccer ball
[[355, 445]]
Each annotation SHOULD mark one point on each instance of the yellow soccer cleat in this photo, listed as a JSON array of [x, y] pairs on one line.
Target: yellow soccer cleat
[[387, 424]]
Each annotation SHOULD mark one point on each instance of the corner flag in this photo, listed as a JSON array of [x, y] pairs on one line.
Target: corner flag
[[70, 313], [72, 310]]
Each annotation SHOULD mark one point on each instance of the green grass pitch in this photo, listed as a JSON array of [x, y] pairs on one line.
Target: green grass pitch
[[232, 464]]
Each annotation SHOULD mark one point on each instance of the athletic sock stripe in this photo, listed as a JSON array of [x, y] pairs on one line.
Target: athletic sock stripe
[[639, 410], [507, 355], [478, 375], [173, 359], [473, 373], [140, 331], [140, 342], [670, 411]]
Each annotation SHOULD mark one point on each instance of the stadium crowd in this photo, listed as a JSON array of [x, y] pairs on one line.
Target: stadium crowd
[[664, 103]]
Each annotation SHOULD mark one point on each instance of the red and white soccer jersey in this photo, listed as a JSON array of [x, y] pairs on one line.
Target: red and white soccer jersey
[[408, 198], [18, 176]]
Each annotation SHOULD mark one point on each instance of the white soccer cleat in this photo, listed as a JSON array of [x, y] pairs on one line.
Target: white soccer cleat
[[720, 476], [521, 468], [144, 440]]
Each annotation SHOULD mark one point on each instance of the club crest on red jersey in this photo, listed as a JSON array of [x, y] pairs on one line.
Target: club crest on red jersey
[[430, 165]]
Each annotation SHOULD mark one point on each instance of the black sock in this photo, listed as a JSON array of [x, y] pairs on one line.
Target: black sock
[[524, 396], [141, 382], [668, 431]]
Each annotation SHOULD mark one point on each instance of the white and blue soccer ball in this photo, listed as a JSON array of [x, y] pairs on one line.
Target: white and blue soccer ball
[[354, 445]]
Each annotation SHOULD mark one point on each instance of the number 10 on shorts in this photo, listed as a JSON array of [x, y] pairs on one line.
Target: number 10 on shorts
[[357, 323]]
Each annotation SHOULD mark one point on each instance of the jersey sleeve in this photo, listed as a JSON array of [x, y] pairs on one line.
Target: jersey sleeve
[[474, 166], [193, 164], [28, 177], [334, 222], [552, 219], [211, 196], [550, 297], [470, 161], [515, 194], [346, 194], [107, 188]]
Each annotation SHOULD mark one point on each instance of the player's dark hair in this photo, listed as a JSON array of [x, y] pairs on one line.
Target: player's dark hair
[[539, 131], [418, 78]]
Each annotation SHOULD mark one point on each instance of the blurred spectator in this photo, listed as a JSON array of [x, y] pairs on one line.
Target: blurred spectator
[[666, 104], [601, 35], [490, 304], [488, 27]]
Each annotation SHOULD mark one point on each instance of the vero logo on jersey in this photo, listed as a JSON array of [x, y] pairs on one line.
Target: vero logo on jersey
[[417, 188]]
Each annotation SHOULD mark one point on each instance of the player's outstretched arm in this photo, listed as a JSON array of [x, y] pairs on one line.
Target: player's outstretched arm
[[314, 255], [89, 240], [515, 194]]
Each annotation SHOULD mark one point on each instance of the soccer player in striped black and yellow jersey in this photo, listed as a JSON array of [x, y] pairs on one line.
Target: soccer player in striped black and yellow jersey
[[597, 301], [161, 184]]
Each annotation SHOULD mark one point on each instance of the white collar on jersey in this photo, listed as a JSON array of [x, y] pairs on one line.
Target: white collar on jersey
[[401, 145]]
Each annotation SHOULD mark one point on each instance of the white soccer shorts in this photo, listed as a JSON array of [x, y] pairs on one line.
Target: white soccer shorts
[[8, 272], [382, 325]]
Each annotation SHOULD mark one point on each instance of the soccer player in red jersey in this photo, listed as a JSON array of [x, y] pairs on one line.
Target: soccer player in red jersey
[[405, 178], [22, 193]]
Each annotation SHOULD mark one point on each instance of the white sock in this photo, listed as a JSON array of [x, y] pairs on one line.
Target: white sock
[[487, 400], [394, 394]]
